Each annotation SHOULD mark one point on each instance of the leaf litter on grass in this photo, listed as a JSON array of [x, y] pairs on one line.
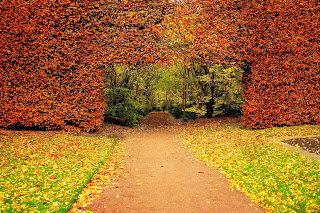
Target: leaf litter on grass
[[278, 179], [40, 173], [112, 170]]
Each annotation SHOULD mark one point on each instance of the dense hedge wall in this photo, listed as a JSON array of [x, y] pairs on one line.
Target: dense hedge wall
[[51, 51], [281, 42], [49, 74], [281, 98], [47, 100], [276, 42]]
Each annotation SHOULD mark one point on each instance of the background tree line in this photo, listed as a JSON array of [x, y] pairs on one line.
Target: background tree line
[[186, 92]]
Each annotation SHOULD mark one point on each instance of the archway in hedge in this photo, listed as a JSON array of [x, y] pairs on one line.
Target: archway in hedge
[[52, 54]]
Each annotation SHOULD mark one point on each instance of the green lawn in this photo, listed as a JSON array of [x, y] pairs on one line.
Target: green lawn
[[46, 173], [281, 180]]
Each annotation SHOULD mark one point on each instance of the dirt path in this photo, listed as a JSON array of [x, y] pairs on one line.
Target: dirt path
[[161, 176]]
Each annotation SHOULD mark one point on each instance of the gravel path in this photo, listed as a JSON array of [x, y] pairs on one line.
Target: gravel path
[[162, 176]]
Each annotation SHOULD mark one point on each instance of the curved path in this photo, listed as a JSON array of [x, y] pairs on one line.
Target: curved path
[[162, 176]]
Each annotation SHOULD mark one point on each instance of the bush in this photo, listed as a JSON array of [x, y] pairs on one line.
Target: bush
[[120, 104], [178, 113]]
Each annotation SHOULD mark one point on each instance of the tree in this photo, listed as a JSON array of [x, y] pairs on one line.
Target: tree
[[228, 90], [198, 41], [138, 80]]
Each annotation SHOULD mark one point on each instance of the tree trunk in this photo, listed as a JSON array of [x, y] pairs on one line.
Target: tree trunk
[[185, 95], [209, 107]]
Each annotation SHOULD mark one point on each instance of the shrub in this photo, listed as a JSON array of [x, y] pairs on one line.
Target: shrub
[[178, 113], [121, 105]]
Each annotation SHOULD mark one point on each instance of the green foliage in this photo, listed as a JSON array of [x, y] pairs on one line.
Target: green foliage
[[140, 80], [195, 109], [178, 113], [120, 104], [213, 90], [228, 88], [175, 111], [200, 90], [46, 173], [168, 87]]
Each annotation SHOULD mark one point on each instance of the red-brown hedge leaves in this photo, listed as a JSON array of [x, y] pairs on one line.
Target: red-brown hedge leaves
[[280, 40], [51, 52], [48, 75]]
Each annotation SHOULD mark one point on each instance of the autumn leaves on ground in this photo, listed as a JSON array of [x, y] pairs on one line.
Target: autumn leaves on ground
[[48, 171]]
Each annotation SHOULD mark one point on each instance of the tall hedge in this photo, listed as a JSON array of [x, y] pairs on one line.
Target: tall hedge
[[37, 98], [278, 44], [51, 51], [281, 42], [47, 75]]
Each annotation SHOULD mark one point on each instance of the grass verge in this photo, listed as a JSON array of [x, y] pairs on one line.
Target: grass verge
[[111, 171], [279, 179], [46, 173]]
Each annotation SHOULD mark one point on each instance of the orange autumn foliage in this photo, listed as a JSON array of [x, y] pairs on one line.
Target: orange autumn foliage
[[51, 53]]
